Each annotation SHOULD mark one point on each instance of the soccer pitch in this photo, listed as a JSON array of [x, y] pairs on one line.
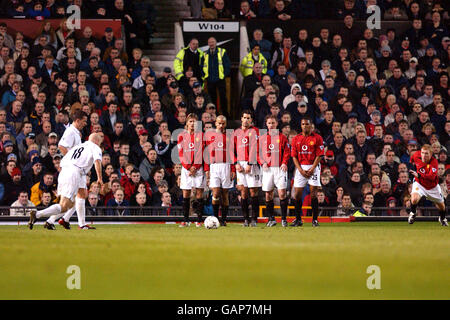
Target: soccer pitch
[[157, 261]]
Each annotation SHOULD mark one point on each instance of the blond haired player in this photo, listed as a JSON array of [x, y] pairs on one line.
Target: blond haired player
[[190, 151]]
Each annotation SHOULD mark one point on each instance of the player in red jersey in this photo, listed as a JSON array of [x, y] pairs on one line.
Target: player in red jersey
[[274, 154], [217, 166], [426, 183], [190, 151], [306, 151], [245, 150]]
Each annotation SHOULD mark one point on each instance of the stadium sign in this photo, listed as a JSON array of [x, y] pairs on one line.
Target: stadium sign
[[210, 26], [226, 33]]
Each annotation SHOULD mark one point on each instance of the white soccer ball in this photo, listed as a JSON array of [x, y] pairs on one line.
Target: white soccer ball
[[211, 222]]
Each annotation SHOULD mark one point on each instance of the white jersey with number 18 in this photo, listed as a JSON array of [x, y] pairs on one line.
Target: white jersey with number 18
[[82, 156]]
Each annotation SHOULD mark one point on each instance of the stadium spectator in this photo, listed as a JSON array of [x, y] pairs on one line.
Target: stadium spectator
[[92, 204], [119, 203], [22, 206], [45, 185], [142, 189], [346, 206], [166, 200]]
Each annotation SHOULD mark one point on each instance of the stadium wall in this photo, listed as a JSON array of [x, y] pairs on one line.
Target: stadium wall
[[31, 28]]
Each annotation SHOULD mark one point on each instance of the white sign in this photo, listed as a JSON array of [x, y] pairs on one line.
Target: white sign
[[210, 26]]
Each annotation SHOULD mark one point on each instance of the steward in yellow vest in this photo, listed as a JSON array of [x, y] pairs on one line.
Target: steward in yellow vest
[[189, 56], [249, 60]]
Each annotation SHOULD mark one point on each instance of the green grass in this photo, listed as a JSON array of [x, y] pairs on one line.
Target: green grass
[[167, 262]]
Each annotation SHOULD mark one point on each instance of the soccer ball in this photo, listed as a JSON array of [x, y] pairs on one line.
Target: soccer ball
[[211, 222]]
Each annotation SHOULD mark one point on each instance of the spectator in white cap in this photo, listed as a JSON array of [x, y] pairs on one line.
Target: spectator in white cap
[[411, 72], [277, 38]]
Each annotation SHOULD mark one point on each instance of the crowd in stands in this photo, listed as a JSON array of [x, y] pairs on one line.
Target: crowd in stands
[[285, 10], [137, 16], [374, 100]]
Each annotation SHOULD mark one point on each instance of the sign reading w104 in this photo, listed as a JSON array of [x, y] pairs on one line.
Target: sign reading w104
[[210, 26]]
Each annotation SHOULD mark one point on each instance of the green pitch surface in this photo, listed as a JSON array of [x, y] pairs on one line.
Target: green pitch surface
[[167, 262]]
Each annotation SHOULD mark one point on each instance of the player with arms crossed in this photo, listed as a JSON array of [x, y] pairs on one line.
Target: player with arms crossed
[[221, 172], [70, 139], [273, 157], [426, 183], [190, 151], [74, 167], [245, 150], [307, 152]]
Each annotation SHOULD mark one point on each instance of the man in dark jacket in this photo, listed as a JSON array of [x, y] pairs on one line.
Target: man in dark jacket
[[216, 68], [380, 199]]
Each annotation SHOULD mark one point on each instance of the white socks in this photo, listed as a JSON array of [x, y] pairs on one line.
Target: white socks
[[50, 211], [53, 218], [80, 205], [69, 213]]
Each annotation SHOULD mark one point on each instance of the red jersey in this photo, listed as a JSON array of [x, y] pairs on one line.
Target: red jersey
[[245, 145], [190, 149], [218, 149], [428, 172], [307, 148], [274, 150]]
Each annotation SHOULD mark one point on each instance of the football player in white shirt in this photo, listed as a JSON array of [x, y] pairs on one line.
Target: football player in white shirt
[[75, 165], [70, 139]]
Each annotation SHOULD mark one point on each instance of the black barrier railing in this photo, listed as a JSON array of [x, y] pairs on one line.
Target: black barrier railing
[[235, 211]]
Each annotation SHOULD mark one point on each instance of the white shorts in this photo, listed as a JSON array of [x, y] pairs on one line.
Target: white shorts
[[434, 195], [83, 182], [69, 181], [273, 177], [249, 180], [300, 181], [220, 176], [190, 182]]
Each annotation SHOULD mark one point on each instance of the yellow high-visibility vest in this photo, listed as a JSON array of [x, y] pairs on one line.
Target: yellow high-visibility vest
[[220, 54], [247, 64], [178, 62]]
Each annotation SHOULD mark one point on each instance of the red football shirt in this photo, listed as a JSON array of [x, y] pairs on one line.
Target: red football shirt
[[218, 149], [190, 149], [274, 150], [245, 145], [307, 148], [428, 172]]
